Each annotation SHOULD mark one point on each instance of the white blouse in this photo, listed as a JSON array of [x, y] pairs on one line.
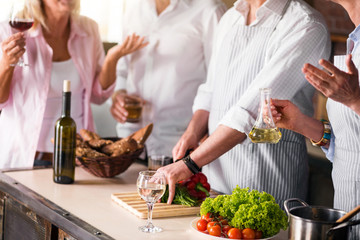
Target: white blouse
[[168, 71], [61, 71]]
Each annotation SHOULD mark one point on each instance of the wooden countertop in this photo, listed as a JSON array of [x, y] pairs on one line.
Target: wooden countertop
[[89, 199]]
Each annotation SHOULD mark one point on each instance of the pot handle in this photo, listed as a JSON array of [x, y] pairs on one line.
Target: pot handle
[[342, 225], [286, 203]]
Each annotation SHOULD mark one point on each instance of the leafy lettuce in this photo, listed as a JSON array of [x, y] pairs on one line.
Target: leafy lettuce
[[248, 209]]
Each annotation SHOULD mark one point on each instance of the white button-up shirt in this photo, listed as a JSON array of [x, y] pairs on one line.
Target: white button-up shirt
[[300, 37], [269, 53], [168, 71]]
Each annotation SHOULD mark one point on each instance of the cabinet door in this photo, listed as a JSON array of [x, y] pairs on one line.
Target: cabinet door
[[2, 208], [64, 236], [20, 223]]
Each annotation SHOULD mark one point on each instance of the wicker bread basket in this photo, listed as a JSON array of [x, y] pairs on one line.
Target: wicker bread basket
[[114, 164], [108, 167]]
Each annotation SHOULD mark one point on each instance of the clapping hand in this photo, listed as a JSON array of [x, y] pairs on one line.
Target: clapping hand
[[338, 85]]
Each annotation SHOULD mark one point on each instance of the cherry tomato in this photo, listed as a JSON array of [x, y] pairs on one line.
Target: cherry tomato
[[215, 230], [224, 222], [207, 217], [201, 225], [202, 178], [248, 233], [225, 229], [258, 234], [211, 224], [234, 233]]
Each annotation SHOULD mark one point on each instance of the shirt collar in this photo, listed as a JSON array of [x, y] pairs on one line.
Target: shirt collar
[[172, 2], [355, 35], [274, 6], [75, 29]]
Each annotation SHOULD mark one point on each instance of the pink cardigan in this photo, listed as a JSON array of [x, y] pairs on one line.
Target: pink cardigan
[[22, 115]]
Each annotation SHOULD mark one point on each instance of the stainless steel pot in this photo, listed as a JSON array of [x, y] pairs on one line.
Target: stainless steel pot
[[316, 223]]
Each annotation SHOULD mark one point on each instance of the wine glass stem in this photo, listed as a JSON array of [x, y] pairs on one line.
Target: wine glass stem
[[150, 206]]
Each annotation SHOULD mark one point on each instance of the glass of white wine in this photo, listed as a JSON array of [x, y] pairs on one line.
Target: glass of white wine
[[264, 129], [151, 186]]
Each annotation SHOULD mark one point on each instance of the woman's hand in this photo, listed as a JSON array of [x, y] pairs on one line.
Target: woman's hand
[[131, 44], [13, 48], [174, 173], [338, 85], [286, 114]]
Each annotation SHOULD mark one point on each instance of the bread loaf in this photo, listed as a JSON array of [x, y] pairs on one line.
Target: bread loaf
[[91, 145]]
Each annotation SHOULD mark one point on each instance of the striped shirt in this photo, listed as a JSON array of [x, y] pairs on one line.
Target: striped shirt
[[346, 150], [246, 58]]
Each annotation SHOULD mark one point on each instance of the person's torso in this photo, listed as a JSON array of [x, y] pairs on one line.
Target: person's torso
[[345, 123], [168, 71], [61, 71]]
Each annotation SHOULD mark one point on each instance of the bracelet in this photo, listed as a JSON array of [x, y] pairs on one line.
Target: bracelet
[[192, 166], [326, 137]]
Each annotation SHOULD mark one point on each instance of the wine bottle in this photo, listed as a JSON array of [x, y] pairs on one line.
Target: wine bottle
[[64, 142]]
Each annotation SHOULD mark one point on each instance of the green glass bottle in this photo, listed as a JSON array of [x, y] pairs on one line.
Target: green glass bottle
[[65, 142]]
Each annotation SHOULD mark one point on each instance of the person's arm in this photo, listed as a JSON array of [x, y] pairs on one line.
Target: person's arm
[[195, 131], [12, 49], [338, 85], [282, 71], [222, 140], [287, 115]]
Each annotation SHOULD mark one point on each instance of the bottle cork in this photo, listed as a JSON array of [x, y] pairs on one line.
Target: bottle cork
[[66, 86]]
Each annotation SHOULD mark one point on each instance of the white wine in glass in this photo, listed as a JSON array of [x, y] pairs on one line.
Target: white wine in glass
[[21, 19], [151, 186]]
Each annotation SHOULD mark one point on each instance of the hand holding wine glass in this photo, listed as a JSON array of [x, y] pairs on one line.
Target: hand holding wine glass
[[21, 19], [13, 48], [151, 186]]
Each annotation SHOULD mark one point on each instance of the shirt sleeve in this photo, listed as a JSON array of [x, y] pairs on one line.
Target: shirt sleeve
[[203, 96], [304, 43], [211, 20], [330, 151]]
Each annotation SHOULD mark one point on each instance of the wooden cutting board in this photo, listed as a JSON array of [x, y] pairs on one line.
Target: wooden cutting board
[[133, 202]]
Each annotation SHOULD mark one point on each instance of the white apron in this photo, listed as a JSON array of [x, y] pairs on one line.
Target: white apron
[[279, 169], [345, 125]]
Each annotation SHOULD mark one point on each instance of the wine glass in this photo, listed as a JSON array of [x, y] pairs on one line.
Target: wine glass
[[151, 186], [21, 19]]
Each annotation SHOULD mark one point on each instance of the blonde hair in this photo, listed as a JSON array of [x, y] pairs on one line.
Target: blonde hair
[[38, 11]]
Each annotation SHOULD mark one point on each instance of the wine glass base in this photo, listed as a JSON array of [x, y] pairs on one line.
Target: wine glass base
[[153, 229]]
